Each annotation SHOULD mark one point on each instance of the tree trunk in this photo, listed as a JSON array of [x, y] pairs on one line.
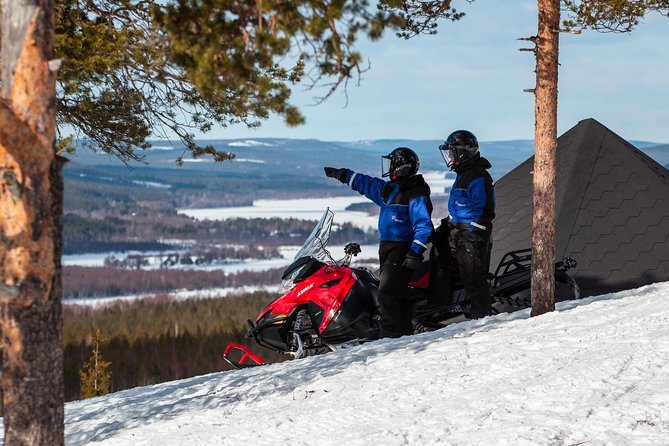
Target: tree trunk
[[30, 228], [545, 146]]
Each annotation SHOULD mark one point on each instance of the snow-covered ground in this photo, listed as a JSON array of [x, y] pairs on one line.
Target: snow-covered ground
[[595, 372]]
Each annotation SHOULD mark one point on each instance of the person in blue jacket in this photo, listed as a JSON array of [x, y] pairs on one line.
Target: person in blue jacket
[[405, 227], [468, 228]]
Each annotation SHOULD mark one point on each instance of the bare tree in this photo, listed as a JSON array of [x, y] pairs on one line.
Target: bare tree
[[30, 209]]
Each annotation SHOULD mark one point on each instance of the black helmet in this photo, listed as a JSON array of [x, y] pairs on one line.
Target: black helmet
[[460, 146], [402, 162]]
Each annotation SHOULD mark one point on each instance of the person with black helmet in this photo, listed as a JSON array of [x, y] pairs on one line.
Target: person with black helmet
[[468, 228], [405, 226]]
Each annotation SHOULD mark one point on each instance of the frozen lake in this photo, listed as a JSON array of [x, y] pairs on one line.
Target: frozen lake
[[439, 181], [301, 208], [306, 209], [312, 208]]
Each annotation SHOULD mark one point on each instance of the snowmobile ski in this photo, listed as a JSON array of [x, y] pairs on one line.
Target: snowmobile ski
[[242, 363]]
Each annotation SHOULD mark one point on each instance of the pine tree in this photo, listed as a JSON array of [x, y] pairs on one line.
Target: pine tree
[[135, 68], [30, 227], [611, 15], [545, 157], [95, 376]]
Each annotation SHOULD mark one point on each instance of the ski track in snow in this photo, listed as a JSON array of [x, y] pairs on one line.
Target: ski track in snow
[[594, 372]]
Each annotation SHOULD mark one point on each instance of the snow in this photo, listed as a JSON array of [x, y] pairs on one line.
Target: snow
[[209, 293], [152, 184], [249, 160], [595, 372], [249, 143]]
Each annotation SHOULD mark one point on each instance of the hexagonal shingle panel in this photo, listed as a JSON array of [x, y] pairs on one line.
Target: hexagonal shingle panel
[[612, 210]]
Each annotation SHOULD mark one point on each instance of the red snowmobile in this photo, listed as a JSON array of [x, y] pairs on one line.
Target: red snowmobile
[[328, 305]]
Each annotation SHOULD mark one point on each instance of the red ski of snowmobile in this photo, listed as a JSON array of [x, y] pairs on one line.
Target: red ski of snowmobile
[[246, 355]]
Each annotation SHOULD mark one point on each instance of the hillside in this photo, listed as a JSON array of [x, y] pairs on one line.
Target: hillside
[[264, 168], [594, 372]]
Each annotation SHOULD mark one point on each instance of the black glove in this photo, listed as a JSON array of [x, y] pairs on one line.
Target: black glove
[[440, 235], [338, 174], [412, 260]]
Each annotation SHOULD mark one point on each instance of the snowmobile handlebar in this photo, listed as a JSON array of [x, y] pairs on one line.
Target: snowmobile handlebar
[[351, 249], [566, 264]]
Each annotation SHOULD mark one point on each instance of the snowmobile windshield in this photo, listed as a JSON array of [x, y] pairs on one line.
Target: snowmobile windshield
[[314, 246]]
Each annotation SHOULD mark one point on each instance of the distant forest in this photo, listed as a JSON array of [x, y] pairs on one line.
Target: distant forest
[[158, 340], [91, 282], [168, 230]]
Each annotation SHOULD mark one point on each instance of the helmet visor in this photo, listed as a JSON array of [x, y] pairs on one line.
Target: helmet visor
[[386, 162], [448, 153]]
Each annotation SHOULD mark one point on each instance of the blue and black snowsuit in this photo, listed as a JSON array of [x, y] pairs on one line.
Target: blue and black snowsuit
[[404, 225], [467, 232]]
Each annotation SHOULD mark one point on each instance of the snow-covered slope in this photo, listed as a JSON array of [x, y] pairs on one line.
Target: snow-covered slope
[[595, 372]]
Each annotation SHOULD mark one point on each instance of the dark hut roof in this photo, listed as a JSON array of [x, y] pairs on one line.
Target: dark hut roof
[[612, 210]]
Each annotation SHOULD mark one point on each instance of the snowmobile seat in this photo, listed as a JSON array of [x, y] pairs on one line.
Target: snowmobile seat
[[511, 283], [420, 276], [513, 273]]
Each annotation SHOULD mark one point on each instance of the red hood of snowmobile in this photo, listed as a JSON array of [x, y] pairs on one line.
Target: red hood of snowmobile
[[327, 288]]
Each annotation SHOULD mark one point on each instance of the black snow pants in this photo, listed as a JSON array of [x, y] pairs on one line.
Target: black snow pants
[[468, 252], [394, 307]]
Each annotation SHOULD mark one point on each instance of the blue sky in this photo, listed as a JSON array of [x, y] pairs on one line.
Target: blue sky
[[471, 75]]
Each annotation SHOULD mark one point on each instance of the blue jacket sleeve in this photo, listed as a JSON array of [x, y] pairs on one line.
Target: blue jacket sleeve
[[421, 222], [370, 187], [477, 194]]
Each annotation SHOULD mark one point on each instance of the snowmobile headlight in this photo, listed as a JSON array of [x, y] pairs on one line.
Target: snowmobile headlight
[[286, 286], [288, 283]]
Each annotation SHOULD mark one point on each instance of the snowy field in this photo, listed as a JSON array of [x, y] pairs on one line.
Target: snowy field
[[595, 372]]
